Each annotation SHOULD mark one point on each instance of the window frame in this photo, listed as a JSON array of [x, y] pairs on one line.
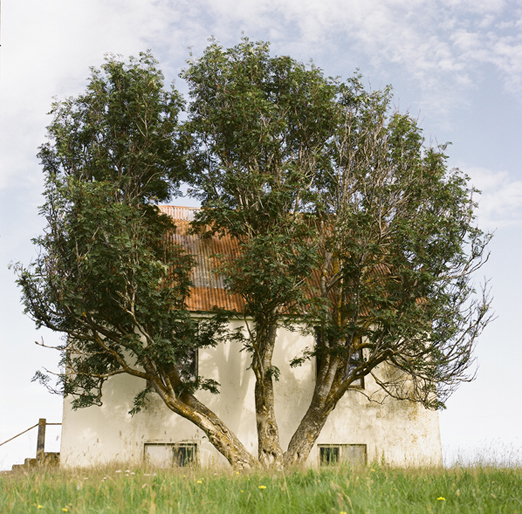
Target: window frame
[[194, 365], [174, 460], [358, 383], [343, 454]]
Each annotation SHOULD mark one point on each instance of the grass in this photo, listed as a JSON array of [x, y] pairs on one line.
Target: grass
[[329, 490]]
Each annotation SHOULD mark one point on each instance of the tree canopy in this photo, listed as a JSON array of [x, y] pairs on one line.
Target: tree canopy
[[107, 276], [348, 227], [320, 178]]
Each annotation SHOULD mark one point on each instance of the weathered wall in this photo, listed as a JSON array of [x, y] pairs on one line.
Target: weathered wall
[[401, 433]]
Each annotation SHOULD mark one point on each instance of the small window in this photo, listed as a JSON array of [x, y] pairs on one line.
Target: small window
[[189, 367], [355, 358], [165, 455], [190, 363], [334, 454], [184, 454], [329, 455]]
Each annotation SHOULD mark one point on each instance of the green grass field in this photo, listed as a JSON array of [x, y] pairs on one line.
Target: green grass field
[[330, 490]]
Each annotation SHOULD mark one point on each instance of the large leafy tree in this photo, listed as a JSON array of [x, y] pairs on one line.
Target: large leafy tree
[[260, 128], [107, 276], [397, 244], [346, 223]]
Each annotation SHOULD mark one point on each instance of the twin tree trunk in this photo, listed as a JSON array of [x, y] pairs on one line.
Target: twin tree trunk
[[329, 388], [327, 392]]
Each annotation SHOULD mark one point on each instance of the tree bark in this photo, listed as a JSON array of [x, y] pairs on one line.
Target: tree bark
[[306, 435], [270, 453], [219, 435], [328, 390]]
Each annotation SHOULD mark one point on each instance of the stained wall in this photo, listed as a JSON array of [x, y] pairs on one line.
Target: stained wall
[[396, 432]]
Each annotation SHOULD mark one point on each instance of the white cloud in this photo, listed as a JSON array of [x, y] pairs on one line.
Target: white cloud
[[441, 45], [47, 48], [500, 204]]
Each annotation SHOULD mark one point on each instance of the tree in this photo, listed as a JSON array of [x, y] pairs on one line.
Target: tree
[[347, 227], [398, 244], [260, 129], [107, 276], [318, 178]]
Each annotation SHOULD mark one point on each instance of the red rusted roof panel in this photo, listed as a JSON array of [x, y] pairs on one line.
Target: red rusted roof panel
[[209, 290]]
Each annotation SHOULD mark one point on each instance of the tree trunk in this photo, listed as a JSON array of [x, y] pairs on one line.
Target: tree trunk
[[270, 453], [306, 435], [221, 437], [328, 390]]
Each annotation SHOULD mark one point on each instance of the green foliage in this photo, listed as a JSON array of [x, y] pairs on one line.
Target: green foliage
[[398, 245], [107, 276], [346, 223], [344, 219], [124, 130], [258, 125]]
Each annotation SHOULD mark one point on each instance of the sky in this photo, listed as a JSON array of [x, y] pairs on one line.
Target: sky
[[455, 65]]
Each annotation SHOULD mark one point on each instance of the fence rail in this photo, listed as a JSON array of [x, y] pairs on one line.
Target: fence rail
[[40, 443], [17, 435]]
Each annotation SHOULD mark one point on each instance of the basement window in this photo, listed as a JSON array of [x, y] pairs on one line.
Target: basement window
[[184, 454], [166, 455], [329, 455], [335, 454]]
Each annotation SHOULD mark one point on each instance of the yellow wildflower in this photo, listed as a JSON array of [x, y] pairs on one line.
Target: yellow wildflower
[[199, 482], [39, 506], [262, 486], [441, 498], [65, 509]]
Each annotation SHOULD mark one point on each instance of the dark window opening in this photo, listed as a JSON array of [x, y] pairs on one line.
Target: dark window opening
[[329, 455], [355, 359], [188, 367], [350, 454], [189, 364], [184, 454]]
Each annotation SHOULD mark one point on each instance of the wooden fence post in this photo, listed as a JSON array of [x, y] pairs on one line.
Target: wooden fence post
[[40, 443]]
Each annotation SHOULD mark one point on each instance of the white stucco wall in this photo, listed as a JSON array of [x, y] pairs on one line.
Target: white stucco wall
[[401, 433]]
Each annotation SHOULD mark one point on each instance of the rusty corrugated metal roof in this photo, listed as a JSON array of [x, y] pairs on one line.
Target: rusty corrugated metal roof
[[208, 291]]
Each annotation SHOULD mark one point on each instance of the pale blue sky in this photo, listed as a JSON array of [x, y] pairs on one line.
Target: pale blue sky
[[454, 64]]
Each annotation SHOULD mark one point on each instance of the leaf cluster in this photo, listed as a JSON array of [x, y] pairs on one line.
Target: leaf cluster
[[344, 219], [345, 222], [123, 129], [108, 275]]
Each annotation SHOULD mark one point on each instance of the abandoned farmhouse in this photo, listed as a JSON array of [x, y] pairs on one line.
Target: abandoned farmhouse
[[358, 430]]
